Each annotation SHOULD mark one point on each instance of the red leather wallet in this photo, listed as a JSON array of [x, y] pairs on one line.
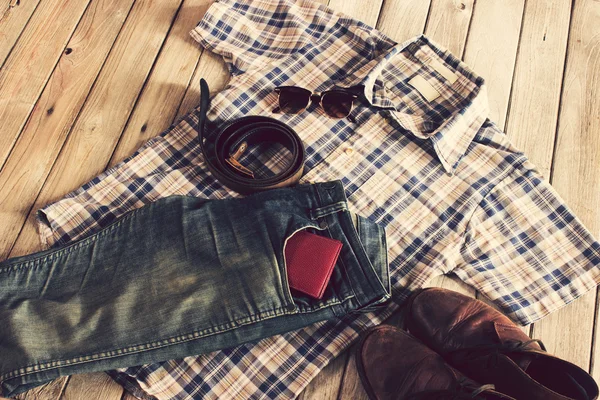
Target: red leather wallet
[[310, 259]]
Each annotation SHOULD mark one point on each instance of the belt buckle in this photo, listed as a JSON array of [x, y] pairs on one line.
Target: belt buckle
[[235, 164]]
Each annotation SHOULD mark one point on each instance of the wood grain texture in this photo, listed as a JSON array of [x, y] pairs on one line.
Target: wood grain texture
[[50, 391], [352, 387], [47, 128], [212, 68], [326, 385], [94, 386], [568, 332], [30, 64], [403, 19], [531, 123], [448, 23], [128, 64], [365, 11], [158, 104], [492, 48], [97, 130], [13, 19]]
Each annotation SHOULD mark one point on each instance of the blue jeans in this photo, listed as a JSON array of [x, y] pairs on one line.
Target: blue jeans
[[178, 277]]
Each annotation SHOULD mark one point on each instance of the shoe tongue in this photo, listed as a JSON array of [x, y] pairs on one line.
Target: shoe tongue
[[509, 334]]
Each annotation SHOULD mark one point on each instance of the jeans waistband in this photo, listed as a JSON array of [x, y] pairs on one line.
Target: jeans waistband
[[365, 261]]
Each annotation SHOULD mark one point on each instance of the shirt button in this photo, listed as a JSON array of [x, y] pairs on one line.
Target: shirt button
[[349, 150], [322, 224]]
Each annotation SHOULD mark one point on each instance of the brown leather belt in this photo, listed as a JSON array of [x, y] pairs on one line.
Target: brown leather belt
[[222, 149]]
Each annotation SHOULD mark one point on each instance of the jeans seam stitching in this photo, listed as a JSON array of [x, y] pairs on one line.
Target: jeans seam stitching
[[37, 262], [345, 269], [269, 314], [333, 303]]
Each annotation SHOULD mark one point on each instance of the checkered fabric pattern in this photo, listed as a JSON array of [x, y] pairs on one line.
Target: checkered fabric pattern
[[422, 159]]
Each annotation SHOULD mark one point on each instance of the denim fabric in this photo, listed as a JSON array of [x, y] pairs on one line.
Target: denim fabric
[[180, 276]]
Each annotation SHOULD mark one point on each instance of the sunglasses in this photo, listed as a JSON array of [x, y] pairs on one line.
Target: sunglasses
[[336, 103]]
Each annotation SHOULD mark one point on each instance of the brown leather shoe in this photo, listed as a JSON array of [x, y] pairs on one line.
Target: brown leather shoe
[[485, 345], [394, 365]]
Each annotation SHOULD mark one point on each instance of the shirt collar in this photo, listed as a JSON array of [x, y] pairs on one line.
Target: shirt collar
[[450, 125]]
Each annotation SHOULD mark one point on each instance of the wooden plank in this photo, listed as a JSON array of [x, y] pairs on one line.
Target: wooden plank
[[212, 68], [568, 332], [158, 104], [94, 386], [30, 64], [448, 23], [14, 16], [326, 385], [95, 134], [365, 11], [403, 19], [351, 387], [46, 130], [50, 391], [492, 48], [531, 122], [192, 100]]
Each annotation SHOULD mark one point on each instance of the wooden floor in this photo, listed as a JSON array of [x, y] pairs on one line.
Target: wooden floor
[[84, 83]]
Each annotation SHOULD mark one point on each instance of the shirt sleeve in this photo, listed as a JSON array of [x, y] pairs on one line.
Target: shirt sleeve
[[249, 34], [526, 251]]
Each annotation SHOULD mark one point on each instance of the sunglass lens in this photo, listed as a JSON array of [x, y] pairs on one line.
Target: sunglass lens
[[293, 100], [337, 104]]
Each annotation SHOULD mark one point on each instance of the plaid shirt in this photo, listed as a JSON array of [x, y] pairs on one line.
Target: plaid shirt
[[422, 159]]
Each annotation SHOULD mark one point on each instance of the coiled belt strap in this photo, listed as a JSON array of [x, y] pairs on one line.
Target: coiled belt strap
[[223, 148]]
